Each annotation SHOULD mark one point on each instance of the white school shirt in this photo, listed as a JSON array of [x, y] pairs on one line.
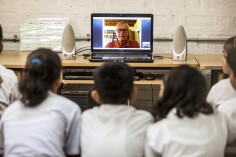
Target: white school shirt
[[8, 89], [49, 129], [220, 92], [228, 108], [114, 131], [203, 136]]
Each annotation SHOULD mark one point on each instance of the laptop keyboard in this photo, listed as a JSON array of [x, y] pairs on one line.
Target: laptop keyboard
[[122, 57]]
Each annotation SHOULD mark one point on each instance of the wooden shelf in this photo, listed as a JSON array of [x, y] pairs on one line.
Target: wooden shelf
[[156, 82], [16, 61], [209, 61], [78, 81]]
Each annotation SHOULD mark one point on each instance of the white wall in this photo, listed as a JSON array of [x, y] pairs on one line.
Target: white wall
[[203, 19]]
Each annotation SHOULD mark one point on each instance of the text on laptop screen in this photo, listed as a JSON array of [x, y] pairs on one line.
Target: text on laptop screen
[[122, 32]]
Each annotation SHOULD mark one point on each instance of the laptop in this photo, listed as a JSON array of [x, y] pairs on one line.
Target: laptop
[[105, 37]]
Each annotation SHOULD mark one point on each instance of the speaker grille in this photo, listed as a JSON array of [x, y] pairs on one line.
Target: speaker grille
[[68, 38], [179, 40]]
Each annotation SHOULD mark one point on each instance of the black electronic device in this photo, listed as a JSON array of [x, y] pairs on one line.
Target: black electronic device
[[78, 75], [103, 26], [79, 97], [149, 77]]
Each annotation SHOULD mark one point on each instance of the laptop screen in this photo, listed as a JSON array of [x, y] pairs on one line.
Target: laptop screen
[[108, 31]]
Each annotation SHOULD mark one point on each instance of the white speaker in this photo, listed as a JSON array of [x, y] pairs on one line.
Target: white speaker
[[179, 46], [68, 43]]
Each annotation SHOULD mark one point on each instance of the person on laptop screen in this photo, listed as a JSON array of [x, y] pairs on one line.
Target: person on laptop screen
[[122, 41]]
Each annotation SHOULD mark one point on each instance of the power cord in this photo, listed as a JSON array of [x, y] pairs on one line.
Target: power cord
[[83, 49], [153, 104]]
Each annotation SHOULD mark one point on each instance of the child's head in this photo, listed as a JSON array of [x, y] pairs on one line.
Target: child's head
[[1, 37], [41, 74], [231, 61], [113, 83], [230, 43], [185, 89]]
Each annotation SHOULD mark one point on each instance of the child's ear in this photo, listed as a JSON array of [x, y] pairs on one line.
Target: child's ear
[[56, 85], [133, 93], [95, 96]]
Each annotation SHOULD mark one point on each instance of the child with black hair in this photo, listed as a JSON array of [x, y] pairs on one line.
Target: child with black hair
[[228, 107], [41, 123], [8, 83], [189, 125], [223, 90], [114, 129]]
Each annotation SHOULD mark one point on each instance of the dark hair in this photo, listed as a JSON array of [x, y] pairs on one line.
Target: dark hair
[[1, 36], [185, 89], [42, 69], [114, 82], [231, 59], [231, 42]]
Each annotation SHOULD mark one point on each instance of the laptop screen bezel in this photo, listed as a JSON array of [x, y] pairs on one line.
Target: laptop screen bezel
[[115, 15]]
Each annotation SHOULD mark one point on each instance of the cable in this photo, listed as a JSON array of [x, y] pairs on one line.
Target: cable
[[63, 88], [152, 97], [158, 57], [82, 48], [85, 55], [168, 57]]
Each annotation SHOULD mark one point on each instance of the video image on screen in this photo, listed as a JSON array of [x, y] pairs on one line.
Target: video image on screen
[[109, 32]]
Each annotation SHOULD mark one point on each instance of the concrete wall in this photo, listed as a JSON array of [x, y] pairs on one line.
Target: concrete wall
[[207, 22]]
